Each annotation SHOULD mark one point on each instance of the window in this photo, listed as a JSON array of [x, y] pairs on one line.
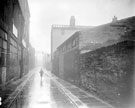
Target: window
[[15, 30], [64, 48], [2, 34], [73, 43], [3, 49], [24, 43], [5, 36], [5, 44], [0, 43], [0, 52]]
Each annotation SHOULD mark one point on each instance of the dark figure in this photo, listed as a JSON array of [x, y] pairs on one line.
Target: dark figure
[[41, 75]]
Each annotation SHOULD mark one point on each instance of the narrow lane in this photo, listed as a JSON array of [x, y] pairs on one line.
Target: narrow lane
[[52, 92], [44, 94]]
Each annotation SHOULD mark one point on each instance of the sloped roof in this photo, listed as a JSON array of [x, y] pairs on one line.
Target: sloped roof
[[120, 26], [108, 34]]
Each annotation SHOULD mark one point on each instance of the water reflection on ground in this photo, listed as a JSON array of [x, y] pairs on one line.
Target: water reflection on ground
[[43, 93]]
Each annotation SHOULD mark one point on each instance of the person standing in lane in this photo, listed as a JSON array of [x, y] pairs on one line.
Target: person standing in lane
[[41, 75]]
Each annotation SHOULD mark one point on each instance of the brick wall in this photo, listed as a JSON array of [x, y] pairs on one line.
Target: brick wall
[[71, 63], [55, 66], [108, 73], [66, 66]]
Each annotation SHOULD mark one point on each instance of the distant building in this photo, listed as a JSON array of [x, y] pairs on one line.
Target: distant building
[[47, 61], [60, 33]]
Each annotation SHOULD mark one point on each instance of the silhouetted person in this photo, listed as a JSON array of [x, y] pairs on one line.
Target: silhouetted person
[[41, 75]]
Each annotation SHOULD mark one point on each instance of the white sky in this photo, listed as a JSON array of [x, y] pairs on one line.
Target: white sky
[[44, 13]]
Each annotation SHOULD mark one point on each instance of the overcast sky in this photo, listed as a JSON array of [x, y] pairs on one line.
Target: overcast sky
[[44, 13]]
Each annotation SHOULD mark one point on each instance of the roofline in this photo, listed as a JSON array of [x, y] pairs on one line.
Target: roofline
[[72, 36], [54, 26], [110, 24]]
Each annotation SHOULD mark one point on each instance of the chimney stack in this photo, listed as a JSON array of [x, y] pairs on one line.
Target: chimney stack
[[72, 21], [114, 19]]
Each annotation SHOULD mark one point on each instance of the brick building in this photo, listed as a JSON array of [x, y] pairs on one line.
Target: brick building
[[60, 33], [14, 38], [101, 60]]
